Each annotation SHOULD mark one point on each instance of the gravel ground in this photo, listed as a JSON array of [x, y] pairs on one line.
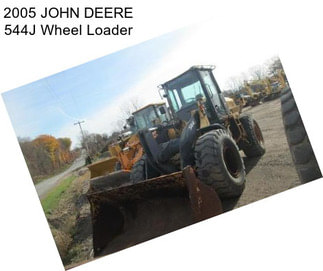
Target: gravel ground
[[274, 172]]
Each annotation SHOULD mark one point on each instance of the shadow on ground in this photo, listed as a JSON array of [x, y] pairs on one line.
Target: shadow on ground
[[250, 163]]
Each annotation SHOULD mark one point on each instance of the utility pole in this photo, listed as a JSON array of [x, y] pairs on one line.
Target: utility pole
[[83, 137]]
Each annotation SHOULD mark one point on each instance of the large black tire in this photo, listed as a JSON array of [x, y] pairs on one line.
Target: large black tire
[[298, 141], [219, 164], [142, 170], [256, 145]]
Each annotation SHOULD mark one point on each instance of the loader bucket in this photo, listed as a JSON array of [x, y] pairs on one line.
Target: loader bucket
[[125, 214], [103, 167]]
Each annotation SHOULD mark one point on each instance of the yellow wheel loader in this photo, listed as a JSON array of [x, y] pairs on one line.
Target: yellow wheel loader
[[239, 100], [179, 180], [254, 96], [127, 150]]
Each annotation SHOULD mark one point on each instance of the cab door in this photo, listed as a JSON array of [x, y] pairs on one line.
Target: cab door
[[213, 91]]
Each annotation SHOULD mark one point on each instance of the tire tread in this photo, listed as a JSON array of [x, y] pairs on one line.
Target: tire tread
[[210, 169], [298, 141]]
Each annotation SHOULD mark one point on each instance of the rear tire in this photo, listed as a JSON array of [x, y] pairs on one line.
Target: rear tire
[[298, 141], [219, 164], [256, 145], [142, 170]]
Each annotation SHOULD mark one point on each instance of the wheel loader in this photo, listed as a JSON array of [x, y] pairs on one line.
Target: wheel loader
[[127, 149], [254, 96], [179, 180]]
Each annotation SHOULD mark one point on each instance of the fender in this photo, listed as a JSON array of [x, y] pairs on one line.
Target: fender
[[214, 126]]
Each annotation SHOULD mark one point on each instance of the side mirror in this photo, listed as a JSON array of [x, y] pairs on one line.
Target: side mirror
[[161, 92], [162, 110]]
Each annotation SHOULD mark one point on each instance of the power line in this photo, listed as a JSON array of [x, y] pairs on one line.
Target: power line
[[58, 100], [76, 106]]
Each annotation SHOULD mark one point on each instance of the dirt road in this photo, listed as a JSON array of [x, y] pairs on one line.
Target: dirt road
[[46, 185], [274, 172]]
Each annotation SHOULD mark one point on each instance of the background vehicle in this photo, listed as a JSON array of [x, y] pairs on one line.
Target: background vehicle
[[254, 96], [267, 88], [127, 150], [150, 116]]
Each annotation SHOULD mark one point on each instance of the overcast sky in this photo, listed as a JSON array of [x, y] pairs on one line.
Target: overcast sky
[[96, 91]]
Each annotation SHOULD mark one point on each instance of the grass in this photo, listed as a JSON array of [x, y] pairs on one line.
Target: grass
[[50, 202]]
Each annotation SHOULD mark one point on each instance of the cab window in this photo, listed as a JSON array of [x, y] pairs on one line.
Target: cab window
[[185, 90]]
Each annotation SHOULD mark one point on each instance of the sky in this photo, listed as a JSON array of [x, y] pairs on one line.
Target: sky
[[96, 91]]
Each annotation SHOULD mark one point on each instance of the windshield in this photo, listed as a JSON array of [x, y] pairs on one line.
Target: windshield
[[145, 118], [184, 90]]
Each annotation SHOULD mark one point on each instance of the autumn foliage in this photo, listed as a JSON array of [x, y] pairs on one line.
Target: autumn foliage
[[46, 154]]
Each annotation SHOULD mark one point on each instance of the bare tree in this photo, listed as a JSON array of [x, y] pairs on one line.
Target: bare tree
[[273, 65], [234, 83], [126, 110], [258, 72], [128, 107], [119, 124], [95, 142]]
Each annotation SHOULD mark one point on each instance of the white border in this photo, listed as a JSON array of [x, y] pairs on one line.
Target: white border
[[281, 232]]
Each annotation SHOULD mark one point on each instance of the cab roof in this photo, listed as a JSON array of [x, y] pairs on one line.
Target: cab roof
[[146, 106], [195, 67]]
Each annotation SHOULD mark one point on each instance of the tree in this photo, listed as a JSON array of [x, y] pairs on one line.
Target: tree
[[51, 145], [258, 72], [119, 124], [235, 83], [65, 146], [128, 107], [274, 65], [126, 110], [65, 143], [45, 154], [95, 142]]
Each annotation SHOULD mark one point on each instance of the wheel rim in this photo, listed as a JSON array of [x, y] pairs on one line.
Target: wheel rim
[[258, 133], [232, 160]]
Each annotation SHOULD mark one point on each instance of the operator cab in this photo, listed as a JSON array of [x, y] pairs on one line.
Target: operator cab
[[150, 116], [198, 83]]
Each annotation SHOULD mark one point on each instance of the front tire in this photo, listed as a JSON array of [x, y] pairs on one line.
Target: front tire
[[219, 164]]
